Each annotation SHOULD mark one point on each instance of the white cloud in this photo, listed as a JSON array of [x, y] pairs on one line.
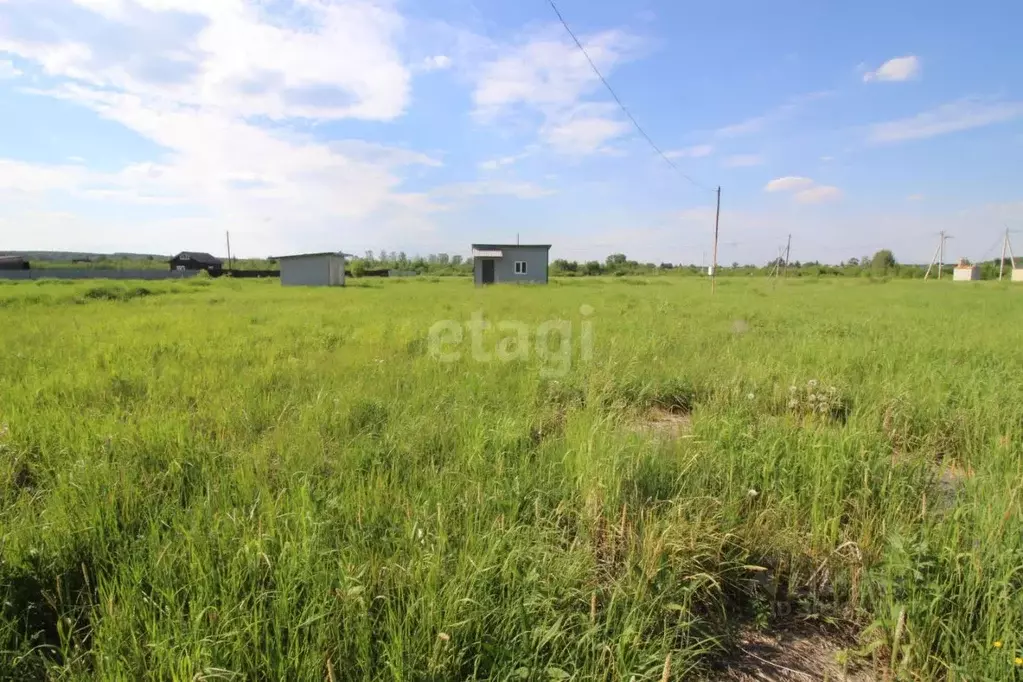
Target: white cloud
[[804, 190], [695, 152], [548, 76], [230, 54], [547, 70], [743, 161], [494, 164], [8, 69], [953, 117], [788, 183], [436, 63], [915, 197], [200, 79], [818, 194], [897, 69], [586, 129], [502, 161]]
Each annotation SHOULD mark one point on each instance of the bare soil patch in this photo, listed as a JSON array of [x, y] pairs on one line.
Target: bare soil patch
[[665, 423], [796, 654]]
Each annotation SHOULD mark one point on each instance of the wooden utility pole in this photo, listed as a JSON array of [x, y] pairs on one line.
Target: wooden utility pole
[[1001, 264], [230, 263], [777, 266], [939, 255], [788, 251], [714, 265], [941, 258]]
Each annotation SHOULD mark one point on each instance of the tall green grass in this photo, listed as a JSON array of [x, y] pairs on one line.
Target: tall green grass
[[232, 480]]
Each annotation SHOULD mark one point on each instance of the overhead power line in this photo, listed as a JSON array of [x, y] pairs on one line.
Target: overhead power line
[[622, 105]]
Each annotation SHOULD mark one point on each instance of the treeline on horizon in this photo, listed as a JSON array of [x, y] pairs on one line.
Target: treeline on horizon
[[881, 264]]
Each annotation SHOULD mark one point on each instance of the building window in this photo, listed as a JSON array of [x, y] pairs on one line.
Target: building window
[[520, 267]]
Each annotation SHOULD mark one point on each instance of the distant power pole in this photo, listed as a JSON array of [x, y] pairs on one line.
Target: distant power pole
[[788, 252], [777, 266], [1006, 246], [939, 255], [230, 263], [941, 258], [714, 265]]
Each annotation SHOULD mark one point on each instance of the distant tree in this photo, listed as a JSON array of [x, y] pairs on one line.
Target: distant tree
[[357, 267], [369, 256], [735, 265], [402, 259], [456, 260], [616, 259], [383, 256], [666, 266], [592, 268], [883, 262]]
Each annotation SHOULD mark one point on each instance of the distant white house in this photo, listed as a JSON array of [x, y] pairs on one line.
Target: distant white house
[[965, 272], [1017, 274], [313, 269]]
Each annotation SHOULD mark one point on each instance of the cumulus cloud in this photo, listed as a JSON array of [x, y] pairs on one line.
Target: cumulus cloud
[[436, 63], [225, 89], [963, 114], [547, 76], [231, 54], [584, 129], [804, 190], [8, 70], [897, 69], [788, 183], [503, 161]]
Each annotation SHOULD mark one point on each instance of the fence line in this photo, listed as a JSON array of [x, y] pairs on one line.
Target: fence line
[[86, 273]]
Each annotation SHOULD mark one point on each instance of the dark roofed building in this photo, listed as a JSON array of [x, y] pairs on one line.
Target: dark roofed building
[[13, 263], [195, 260]]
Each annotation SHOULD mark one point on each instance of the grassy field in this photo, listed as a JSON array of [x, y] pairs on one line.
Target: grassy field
[[234, 481]]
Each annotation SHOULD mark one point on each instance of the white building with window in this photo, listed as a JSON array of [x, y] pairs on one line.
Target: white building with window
[[503, 263]]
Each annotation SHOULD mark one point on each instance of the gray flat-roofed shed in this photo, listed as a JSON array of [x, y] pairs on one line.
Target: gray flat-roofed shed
[[502, 263], [313, 269]]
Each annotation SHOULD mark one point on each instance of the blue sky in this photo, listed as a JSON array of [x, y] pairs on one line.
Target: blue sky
[[158, 125]]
